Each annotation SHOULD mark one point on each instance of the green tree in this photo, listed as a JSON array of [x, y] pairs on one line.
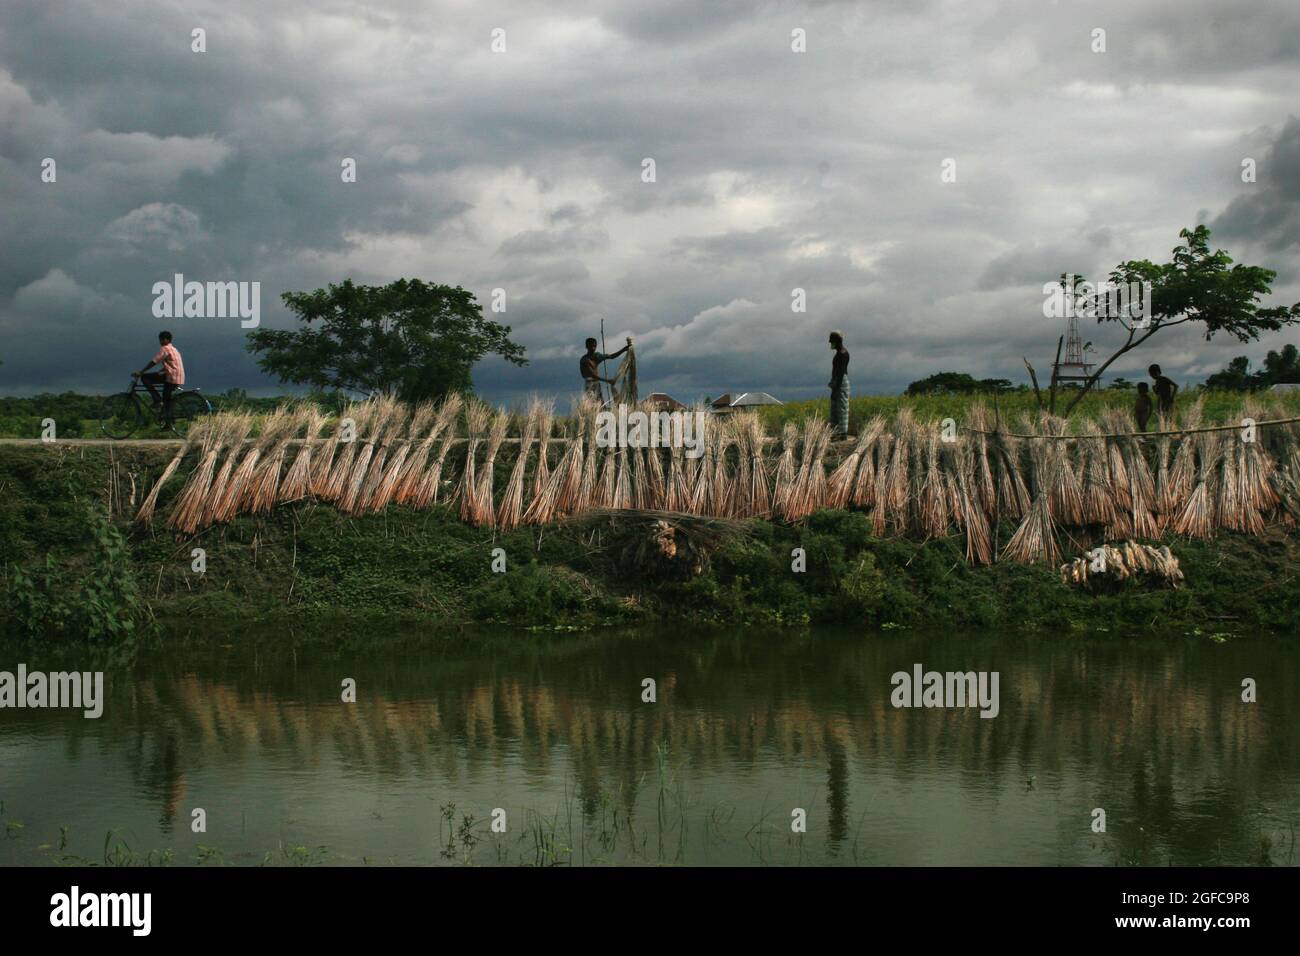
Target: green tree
[[1236, 377], [1281, 367], [956, 383], [943, 383], [411, 339], [1199, 286]]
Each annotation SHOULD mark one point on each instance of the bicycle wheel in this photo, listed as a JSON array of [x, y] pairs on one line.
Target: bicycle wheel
[[186, 407], [121, 416]]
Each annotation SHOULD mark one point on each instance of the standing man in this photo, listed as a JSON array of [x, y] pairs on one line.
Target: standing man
[[839, 386], [172, 374], [1165, 391], [589, 366]]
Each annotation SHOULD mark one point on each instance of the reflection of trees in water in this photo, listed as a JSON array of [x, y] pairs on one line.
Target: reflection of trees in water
[[837, 795], [1158, 727]]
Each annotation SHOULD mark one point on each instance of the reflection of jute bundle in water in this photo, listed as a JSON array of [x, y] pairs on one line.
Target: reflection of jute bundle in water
[[1018, 494]]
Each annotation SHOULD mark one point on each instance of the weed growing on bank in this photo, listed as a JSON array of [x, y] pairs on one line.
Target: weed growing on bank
[[93, 595]]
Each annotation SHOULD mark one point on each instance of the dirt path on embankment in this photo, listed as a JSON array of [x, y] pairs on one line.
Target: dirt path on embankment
[[123, 443]]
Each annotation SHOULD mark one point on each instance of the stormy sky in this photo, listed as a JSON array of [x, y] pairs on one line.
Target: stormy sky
[[522, 170]]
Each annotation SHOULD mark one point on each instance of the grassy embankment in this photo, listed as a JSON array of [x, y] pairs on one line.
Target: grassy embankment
[[77, 416], [1220, 406], [307, 562]]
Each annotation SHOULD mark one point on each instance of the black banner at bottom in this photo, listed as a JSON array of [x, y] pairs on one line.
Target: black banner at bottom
[[331, 904]]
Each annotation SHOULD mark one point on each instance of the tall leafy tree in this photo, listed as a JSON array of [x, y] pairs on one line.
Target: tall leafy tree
[[411, 339], [1196, 286]]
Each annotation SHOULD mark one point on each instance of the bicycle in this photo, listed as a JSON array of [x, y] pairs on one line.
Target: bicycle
[[127, 412]]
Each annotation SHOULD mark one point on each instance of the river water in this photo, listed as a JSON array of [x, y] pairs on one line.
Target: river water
[[760, 748]]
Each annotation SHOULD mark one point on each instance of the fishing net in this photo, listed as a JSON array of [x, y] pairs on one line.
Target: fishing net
[[623, 390]]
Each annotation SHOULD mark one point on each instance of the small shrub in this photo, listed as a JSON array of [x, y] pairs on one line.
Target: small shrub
[[101, 603]]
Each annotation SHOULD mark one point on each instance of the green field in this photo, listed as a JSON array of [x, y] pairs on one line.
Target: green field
[[77, 416], [1220, 406]]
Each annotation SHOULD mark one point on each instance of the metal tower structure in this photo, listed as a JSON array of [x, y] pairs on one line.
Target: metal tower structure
[[1075, 367]]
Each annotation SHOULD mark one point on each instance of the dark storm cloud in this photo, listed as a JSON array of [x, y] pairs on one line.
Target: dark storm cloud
[[535, 242], [523, 171], [1037, 264], [1268, 211]]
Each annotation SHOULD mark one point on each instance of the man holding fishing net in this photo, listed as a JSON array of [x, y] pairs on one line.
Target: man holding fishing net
[[589, 367]]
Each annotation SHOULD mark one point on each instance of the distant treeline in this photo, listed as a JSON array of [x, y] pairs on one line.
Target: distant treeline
[[959, 383], [1280, 368]]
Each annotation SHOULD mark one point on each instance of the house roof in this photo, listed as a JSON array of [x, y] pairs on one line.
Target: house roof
[[663, 398], [754, 398]]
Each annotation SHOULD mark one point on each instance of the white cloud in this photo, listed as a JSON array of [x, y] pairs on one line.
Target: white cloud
[[159, 160], [157, 224], [405, 153], [57, 296]]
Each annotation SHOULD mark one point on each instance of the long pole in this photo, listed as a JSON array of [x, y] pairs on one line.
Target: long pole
[[606, 361], [1056, 371]]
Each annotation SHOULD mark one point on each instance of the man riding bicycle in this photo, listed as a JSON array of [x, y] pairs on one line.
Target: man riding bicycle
[[171, 376]]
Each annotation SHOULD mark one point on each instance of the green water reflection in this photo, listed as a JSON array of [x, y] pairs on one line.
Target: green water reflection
[[748, 726]]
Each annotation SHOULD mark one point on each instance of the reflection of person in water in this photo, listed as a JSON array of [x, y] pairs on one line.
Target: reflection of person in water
[[172, 781]]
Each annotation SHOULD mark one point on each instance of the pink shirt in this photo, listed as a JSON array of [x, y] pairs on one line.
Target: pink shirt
[[173, 367]]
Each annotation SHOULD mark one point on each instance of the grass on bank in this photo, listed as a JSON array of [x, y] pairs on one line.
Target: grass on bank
[[77, 416], [305, 562], [1221, 406]]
